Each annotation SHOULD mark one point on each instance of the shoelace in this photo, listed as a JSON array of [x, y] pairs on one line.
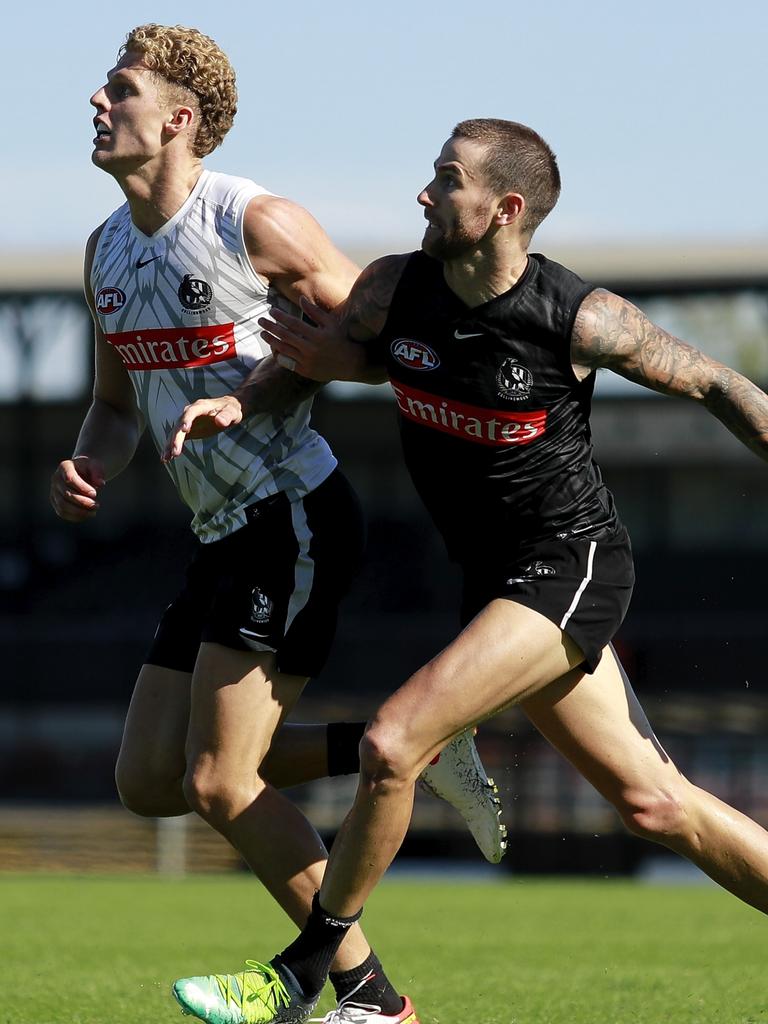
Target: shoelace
[[348, 1012], [260, 982]]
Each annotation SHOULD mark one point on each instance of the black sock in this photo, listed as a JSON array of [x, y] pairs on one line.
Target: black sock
[[309, 957], [376, 989], [343, 747]]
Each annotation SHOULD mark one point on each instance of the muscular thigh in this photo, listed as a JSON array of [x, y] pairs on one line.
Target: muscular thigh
[[156, 725], [505, 654], [597, 723], [239, 700]]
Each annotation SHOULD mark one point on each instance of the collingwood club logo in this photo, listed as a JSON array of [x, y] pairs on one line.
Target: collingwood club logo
[[532, 572], [195, 294], [261, 608], [514, 380]]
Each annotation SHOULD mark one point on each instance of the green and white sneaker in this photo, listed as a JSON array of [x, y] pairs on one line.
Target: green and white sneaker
[[457, 776], [261, 994]]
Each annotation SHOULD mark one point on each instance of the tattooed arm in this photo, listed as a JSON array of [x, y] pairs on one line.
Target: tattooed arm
[[267, 388], [610, 332], [314, 352], [328, 348], [288, 249]]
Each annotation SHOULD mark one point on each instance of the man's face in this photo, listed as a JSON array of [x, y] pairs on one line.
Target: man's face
[[458, 204], [130, 115]]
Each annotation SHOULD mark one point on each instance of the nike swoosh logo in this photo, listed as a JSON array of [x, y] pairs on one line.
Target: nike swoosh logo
[[460, 337], [143, 263], [580, 529]]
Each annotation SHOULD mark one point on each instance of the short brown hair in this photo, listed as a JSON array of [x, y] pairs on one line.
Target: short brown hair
[[517, 160], [186, 58]]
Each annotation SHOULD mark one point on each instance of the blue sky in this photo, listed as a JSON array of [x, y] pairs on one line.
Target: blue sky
[[657, 111]]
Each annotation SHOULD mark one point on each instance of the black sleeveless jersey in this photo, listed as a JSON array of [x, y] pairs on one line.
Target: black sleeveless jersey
[[494, 422]]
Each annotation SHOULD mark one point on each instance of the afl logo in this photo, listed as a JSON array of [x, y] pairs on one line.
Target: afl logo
[[514, 380], [195, 294], [109, 300], [414, 354]]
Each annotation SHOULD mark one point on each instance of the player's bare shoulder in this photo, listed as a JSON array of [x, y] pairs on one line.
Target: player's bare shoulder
[[367, 307], [280, 232], [268, 217], [288, 247]]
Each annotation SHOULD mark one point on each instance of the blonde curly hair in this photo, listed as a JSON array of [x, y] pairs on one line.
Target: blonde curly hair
[[186, 58]]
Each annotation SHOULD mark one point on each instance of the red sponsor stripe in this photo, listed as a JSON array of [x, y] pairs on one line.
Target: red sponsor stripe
[[494, 427], [171, 348]]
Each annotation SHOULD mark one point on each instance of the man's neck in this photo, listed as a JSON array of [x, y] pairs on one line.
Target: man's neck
[[479, 277], [155, 198]]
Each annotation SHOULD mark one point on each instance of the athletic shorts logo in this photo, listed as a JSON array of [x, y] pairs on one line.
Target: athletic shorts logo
[[414, 354], [532, 572], [195, 294], [109, 300], [261, 608], [258, 638], [514, 380]]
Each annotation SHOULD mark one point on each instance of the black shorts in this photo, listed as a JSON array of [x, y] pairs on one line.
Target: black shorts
[[584, 586], [275, 584]]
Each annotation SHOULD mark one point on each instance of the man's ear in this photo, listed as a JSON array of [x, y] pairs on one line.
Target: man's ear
[[511, 208], [181, 119]]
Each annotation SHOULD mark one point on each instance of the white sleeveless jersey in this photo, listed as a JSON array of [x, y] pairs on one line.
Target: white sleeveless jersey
[[181, 308]]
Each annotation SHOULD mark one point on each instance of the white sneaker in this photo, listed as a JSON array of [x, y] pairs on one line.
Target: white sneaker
[[457, 776], [363, 1013], [349, 1012]]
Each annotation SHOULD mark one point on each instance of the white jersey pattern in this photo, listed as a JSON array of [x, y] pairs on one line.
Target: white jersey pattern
[[181, 308]]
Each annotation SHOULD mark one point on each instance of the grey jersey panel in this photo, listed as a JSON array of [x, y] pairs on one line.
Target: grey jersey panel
[[181, 309]]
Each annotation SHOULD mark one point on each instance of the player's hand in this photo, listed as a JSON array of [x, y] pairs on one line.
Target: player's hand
[[316, 350], [203, 418], [75, 486]]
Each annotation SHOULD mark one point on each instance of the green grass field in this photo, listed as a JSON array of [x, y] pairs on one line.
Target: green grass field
[[77, 950]]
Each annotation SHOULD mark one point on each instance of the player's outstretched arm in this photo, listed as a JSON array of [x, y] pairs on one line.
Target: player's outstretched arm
[[267, 388], [610, 332], [289, 249], [319, 348], [329, 347], [110, 431]]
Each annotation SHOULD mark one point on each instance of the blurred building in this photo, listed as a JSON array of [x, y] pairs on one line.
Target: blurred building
[[78, 604]]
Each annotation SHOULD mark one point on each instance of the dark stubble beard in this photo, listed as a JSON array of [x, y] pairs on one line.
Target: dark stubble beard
[[462, 240]]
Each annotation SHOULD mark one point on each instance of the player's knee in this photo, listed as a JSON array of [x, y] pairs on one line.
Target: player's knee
[[203, 792], [657, 814], [384, 757], [216, 796]]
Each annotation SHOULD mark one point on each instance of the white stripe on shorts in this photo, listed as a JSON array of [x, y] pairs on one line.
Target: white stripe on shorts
[[582, 585], [305, 566]]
